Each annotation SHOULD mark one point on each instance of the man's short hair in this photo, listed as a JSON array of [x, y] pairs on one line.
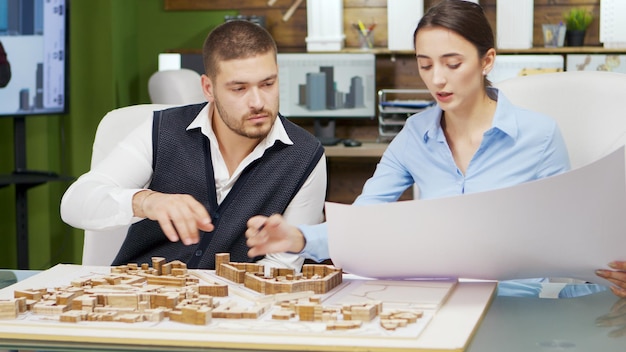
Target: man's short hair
[[232, 40]]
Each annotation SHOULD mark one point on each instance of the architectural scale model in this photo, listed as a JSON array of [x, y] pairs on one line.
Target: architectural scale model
[[138, 293], [314, 277]]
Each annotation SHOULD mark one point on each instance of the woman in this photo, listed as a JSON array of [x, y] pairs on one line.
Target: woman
[[474, 139]]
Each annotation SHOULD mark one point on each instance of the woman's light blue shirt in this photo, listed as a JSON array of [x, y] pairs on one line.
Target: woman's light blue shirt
[[520, 146]]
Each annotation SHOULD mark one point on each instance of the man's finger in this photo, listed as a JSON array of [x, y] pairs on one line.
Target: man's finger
[[168, 229]]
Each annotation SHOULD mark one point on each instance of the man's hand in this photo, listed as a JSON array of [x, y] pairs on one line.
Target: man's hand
[[616, 277], [179, 215], [272, 235]]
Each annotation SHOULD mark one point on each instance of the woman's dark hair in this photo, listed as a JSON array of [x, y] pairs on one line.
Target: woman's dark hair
[[465, 18]]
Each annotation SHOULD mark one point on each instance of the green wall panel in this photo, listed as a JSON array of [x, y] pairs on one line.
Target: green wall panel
[[113, 48]]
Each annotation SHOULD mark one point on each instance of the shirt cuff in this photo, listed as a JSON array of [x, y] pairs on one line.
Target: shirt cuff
[[316, 242], [124, 198]]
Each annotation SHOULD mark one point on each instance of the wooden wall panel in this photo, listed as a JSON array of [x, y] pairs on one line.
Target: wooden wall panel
[[346, 177], [290, 36], [393, 70], [255, 4], [369, 15], [397, 71], [551, 11], [220, 4]]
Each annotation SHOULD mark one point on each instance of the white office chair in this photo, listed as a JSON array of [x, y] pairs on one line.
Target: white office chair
[[179, 87], [589, 109], [166, 88], [101, 247], [589, 106]]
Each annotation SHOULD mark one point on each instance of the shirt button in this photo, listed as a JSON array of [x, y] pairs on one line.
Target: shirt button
[[198, 253]]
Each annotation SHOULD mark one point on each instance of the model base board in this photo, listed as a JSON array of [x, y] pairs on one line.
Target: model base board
[[357, 314]]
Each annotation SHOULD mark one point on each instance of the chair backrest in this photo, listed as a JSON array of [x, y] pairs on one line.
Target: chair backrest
[[182, 86], [589, 107], [101, 247]]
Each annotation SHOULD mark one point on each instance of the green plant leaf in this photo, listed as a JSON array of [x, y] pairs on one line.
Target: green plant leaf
[[578, 19]]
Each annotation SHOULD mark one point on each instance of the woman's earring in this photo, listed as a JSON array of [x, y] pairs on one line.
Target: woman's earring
[[484, 72]]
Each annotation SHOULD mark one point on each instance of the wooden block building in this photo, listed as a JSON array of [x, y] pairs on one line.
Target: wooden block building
[[319, 278]]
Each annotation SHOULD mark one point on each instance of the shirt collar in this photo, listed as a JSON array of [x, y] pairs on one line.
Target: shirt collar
[[205, 116], [503, 119]]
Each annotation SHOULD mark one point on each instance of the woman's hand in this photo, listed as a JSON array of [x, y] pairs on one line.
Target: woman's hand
[[272, 235], [617, 277]]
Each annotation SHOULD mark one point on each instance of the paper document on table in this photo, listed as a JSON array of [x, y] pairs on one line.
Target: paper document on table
[[562, 226]]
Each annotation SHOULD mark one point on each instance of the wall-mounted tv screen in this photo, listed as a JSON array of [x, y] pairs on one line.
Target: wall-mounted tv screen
[[327, 87], [33, 57]]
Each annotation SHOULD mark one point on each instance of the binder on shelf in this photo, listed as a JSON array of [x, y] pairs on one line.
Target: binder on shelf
[[514, 20], [324, 25], [612, 26], [402, 18]]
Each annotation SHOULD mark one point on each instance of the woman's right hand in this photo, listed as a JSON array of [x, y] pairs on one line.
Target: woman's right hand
[[272, 235]]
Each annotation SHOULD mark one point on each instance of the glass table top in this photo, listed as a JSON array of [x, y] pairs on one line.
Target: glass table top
[[595, 322]]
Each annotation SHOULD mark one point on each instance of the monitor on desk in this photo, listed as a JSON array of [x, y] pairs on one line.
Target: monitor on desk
[[327, 87]]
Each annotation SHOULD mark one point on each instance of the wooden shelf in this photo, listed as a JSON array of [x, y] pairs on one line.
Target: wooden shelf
[[534, 50], [564, 50]]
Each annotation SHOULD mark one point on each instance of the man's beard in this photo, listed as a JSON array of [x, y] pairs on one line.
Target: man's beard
[[237, 125]]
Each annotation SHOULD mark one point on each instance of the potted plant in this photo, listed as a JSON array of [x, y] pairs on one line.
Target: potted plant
[[577, 20]]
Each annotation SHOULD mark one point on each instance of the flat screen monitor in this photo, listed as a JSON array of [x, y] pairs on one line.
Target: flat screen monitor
[[33, 35], [327, 87]]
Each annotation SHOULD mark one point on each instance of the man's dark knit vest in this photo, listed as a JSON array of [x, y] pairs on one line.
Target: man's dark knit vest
[[182, 165]]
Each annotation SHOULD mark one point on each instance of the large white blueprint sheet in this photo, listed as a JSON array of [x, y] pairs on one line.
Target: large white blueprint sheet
[[562, 226]]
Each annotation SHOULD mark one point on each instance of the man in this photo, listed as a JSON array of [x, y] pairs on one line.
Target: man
[[190, 178]]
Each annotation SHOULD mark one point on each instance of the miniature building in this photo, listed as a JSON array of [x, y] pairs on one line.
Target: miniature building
[[362, 312], [314, 277], [134, 293], [130, 293]]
